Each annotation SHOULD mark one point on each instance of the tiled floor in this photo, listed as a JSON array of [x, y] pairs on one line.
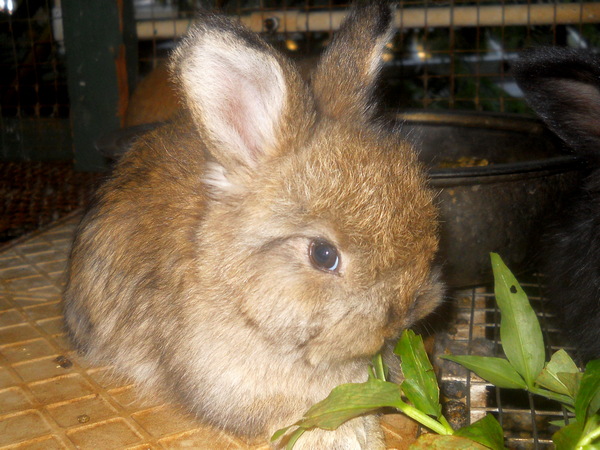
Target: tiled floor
[[49, 398]]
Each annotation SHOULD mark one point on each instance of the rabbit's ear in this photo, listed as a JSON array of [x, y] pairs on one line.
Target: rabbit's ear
[[563, 87], [344, 80], [236, 88]]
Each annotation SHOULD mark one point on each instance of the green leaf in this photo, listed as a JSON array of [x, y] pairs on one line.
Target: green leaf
[[566, 438], [572, 381], [561, 423], [520, 330], [497, 371], [560, 375], [280, 433], [587, 401], [351, 400], [420, 384], [345, 402], [438, 442], [486, 431]]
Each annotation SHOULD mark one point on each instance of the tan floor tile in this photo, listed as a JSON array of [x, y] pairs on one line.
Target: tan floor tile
[[10, 317], [13, 400], [52, 326], [34, 246], [60, 389], [42, 443], [8, 273], [7, 379], [4, 304], [46, 256], [163, 421], [30, 300], [41, 369], [27, 284], [20, 427], [10, 259], [17, 333], [86, 410], [26, 351], [114, 434], [45, 311], [50, 267], [49, 291]]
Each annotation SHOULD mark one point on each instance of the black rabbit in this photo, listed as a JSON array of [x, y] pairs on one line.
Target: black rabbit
[[563, 86]]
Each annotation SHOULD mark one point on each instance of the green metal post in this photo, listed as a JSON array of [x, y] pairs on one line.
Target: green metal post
[[100, 42]]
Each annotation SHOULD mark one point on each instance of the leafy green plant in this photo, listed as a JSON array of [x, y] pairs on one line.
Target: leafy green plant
[[417, 397], [523, 368]]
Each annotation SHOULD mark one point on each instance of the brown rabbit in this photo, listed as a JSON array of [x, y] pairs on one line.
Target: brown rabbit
[[153, 100], [257, 251]]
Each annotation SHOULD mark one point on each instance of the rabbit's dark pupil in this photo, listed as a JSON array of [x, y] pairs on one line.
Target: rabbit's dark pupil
[[324, 256]]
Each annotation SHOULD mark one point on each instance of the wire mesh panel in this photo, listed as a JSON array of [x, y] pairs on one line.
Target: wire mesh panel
[[475, 329], [446, 55], [33, 91]]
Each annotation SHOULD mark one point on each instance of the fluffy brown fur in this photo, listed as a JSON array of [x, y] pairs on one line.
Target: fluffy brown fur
[[191, 272]]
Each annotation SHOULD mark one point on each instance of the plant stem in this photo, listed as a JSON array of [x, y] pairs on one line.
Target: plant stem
[[294, 437], [444, 422], [588, 438], [424, 419], [552, 395], [379, 367]]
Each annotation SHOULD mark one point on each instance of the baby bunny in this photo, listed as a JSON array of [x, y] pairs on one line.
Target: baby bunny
[[563, 86], [255, 252]]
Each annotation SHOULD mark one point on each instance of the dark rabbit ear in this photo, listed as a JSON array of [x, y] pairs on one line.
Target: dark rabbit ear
[[562, 85], [344, 80], [237, 89]]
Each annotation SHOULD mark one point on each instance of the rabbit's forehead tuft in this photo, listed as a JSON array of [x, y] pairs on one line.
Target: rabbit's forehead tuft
[[371, 191]]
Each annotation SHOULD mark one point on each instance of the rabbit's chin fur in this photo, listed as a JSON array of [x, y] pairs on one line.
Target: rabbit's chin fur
[[563, 86], [193, 271]]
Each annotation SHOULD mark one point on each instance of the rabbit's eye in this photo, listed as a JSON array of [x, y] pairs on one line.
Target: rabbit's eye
[[323, 255]]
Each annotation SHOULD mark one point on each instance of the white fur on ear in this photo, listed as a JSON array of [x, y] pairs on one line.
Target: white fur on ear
[[219, 182], [236, 92]]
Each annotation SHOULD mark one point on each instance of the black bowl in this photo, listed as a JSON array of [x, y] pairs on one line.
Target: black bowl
[[501, 207]]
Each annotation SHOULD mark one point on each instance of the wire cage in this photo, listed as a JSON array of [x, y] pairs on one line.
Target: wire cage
[[475, 329], [450, 54], [446, 55], [34, 121]]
